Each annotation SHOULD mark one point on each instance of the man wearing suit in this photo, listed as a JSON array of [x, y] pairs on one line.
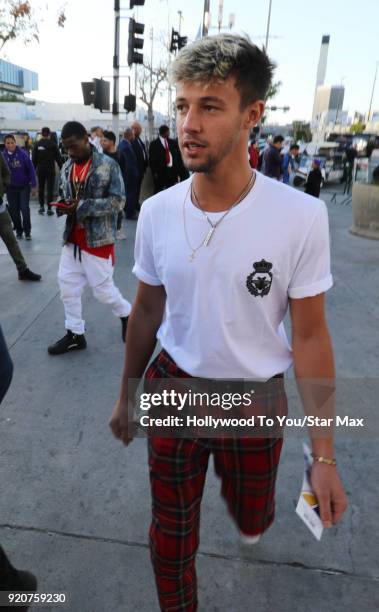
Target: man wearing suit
[[166, 161], [132, 174], [141, 155]]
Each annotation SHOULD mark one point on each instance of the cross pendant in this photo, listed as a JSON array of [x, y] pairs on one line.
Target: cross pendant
[[209, 236], [191, 257]]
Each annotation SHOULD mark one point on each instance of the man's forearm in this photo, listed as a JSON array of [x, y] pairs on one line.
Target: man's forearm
[[314, 371], [140, 345]]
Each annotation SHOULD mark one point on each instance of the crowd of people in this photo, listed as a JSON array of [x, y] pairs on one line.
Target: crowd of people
[[23, 176], [283, 166]]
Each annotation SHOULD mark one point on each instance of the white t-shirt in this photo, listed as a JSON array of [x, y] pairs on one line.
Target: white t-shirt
[[225, 309]]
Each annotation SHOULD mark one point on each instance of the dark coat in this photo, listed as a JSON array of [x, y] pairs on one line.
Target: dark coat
[[45, 154], [313, 184], [132, 174], [164, 176], [5, 176], [141, 155], [273, 163]]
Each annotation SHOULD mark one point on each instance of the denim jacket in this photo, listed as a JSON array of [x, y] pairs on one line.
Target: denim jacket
[[103, 199]]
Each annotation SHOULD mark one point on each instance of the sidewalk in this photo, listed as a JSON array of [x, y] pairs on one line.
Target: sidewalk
[[75, 504]]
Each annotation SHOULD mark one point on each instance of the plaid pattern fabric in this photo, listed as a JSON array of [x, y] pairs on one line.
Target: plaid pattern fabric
[[247, 468]]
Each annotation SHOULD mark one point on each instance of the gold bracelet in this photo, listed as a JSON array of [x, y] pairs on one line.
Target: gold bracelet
[[321, 459]]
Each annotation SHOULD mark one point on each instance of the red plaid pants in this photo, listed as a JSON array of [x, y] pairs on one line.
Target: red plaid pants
[[247, 468]]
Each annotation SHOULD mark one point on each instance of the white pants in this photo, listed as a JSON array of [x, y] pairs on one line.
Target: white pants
[[73, 276]]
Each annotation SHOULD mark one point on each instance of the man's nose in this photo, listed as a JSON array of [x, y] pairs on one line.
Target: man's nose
[[192, 122]]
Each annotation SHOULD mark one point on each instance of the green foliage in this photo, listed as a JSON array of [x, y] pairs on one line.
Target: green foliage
[[357, 128]]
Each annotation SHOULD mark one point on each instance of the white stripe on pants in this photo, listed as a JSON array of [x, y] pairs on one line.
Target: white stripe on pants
[[73, 276]]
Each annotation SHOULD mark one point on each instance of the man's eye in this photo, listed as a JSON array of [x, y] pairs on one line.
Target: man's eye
[[210, 108]]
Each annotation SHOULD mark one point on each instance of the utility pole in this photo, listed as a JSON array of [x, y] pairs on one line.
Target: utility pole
[[116, 71], [372, 92], [220, 14], [268, 25], [151, 71], [180, 13], [206, 17]]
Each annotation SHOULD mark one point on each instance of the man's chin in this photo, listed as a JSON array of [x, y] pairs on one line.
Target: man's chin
[[198, 166]]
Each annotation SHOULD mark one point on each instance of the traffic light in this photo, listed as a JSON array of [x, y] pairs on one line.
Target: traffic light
[[97, 93], [174, 40], [134, 57], [134, 3], [177, 41], [130, 103], [102, 94], [182, 41], [88, 90]]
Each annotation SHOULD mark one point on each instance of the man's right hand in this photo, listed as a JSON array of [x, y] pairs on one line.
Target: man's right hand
[[119, 423]]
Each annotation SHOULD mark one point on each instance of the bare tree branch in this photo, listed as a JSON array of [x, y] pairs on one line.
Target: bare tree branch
[[17, 20]]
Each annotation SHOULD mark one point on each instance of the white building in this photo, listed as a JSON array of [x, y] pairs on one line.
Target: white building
[[32, 115]]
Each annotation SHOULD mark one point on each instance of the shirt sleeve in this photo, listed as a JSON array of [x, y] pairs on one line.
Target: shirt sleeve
[[312, 274], [144, 266]]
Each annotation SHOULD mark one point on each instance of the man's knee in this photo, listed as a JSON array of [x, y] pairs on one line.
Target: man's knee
[[104, 292], [68, 289]]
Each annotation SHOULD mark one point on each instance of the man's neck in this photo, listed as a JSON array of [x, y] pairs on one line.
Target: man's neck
[[220, 189]]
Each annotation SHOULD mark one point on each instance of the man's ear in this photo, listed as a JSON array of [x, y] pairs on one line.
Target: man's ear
[[253, 113]]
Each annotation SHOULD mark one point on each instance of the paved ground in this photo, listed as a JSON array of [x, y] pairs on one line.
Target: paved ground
[[74, 504]]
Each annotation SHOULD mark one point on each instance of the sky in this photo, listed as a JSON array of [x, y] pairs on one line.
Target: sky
[[84, 48]]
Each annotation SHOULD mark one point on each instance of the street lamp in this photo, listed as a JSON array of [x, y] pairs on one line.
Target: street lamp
[[373, 89]]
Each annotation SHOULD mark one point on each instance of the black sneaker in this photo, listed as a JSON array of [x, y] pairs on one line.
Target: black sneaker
[[50, 212], [19, 236], [69, 342], [41, 210], [124, 324], [28, 237], [28, 275]]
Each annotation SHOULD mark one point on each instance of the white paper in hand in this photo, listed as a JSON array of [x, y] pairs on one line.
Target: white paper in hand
[[307, 506]]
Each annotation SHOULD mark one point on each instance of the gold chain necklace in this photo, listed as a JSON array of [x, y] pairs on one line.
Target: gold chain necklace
[[77, 179]]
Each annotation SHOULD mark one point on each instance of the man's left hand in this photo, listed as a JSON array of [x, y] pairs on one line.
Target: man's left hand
[[330, 493]]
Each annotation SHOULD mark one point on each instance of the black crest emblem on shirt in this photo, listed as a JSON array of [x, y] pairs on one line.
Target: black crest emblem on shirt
[[259, 281]]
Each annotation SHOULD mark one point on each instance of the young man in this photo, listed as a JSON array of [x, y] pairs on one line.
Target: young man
[[23, 179], [108, 144], [220, 258], [6, 231], [165, 161], [273, 159], [92, 187], [45, 154]]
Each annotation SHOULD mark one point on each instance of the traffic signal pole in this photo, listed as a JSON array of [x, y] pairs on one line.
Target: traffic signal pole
[[116, 71]]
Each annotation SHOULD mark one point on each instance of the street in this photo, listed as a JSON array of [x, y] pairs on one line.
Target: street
[[75, 503]]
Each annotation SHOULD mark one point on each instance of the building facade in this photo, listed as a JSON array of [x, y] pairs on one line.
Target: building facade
[[16, 81]]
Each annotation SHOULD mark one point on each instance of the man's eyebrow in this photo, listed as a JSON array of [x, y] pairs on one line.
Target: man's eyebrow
[[205, 99]]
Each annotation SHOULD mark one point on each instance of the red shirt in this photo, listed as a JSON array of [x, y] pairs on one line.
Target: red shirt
[[254, 157], [78, 233]]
